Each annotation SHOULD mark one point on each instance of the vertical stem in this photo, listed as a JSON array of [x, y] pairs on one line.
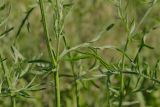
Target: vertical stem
[[58, 34], [76, 86], [121, 72], [122, 76], [52, 56], [108, 91], [74, 74], [57, 54], [77, 94], [48, 40], [13, 100], [57, 88], [124, 20]]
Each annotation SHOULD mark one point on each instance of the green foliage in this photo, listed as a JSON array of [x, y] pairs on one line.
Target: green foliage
[[75, 53]]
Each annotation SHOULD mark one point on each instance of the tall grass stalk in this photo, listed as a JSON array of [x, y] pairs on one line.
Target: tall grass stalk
[[51, 53], [13, 100], [108, 91], [58, 27], [76, 84], [121, 92]]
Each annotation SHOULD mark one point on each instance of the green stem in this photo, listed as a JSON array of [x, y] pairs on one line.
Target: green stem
[[121, 73], [57, 89], [48, 40], [146, 14], [13, 100], [52, 56], [76, 86], [108, 92], [74, 74]]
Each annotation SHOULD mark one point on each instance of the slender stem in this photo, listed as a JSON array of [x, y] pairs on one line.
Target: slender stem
[[57, 88], [76, 86], [57, 54], [52, 56], [146, 14], [108, 92], [77, 94], [123, 60], [58, 33], [48, 40], [13, 100], [122, 76], [74, 73]]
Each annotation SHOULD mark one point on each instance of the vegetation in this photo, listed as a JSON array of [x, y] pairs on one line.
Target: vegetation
[[76, 53]]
